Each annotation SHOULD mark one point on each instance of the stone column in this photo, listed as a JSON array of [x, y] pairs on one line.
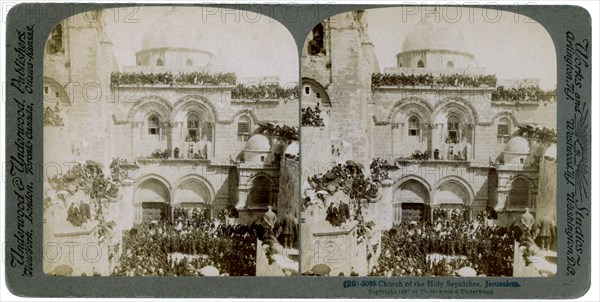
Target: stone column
[[472, 151], [138, 212], [168, 135]]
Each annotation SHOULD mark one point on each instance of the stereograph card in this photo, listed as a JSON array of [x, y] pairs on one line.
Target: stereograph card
[[336, 151]]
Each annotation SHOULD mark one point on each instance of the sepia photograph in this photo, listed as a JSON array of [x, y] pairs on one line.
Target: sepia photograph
[[428, 139], [171, 144]]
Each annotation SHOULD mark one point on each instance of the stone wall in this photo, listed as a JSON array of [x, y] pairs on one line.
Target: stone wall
[[390, 107], [129, 118], [345, 71], [289, 188], [316, 152], [80, 76], [546, 202]]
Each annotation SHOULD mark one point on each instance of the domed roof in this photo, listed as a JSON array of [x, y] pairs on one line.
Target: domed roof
[[551, 151], [293, 148], [517, 144], [434, 35], [258, 142], [177, 28]]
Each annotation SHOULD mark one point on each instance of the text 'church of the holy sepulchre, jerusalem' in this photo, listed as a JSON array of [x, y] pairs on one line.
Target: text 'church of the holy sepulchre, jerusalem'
[[437, 138], [169, 139]]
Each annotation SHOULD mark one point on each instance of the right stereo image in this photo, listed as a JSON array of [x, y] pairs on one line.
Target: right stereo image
[[428, 144]]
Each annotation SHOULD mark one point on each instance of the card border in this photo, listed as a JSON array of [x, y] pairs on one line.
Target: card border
[[562, 285]]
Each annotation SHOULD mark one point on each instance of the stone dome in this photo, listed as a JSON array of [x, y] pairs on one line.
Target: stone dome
[[293, 148], [258, 143], [551, 151], [177, 29], [518, 145], [430, 35]]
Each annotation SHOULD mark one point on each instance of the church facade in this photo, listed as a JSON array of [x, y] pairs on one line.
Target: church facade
[[449, 134], [186, 132]]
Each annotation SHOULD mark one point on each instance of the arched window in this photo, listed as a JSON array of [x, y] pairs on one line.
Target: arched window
[[55, 43], [503, 130], [153, 125], [316, 45], [453, 129], [306, 90], [193, 126], [450, 64], [519, 194], [413, 126], [244, 126], [420, 64], [189, 62], [260, 193], [159, 62]]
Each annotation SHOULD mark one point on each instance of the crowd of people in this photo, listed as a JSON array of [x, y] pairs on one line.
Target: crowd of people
[[450, 214], [168, 78], [434, 81], [195, 214], [312, 117], [523, 93], [407, 249], [241, 91], [149, 249], [349, 178], [264, 91]]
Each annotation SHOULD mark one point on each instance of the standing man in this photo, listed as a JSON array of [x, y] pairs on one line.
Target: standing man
[[527, 221], [270, 218], [289, 229]]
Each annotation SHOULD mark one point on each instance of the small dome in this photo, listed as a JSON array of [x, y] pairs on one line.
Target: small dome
[[293, 148], [430, 35], [517, 144], [551, 151], [258, 143]]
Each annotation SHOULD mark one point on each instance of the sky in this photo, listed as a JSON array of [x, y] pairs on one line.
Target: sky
[[509, 45], [246, 43]]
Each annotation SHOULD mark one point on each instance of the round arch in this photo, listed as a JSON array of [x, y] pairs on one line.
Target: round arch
[[411, 106], [398, 182], [520, 192], [156, 177], [507, 115], [260, 191], [316, 92], [411, 199], [54, 92], [185, 181], [451, 189], [194, 103], [139, 111], [248, 113], [152, 199], [522, 177], [463, 109]]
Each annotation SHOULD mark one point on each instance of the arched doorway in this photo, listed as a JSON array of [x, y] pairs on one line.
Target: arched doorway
[[152, 201], [451, 201], [260, 193], [518, 197], [411, 202], [192, 200]]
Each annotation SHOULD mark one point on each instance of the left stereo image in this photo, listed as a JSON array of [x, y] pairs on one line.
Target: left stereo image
[[170, 144]]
